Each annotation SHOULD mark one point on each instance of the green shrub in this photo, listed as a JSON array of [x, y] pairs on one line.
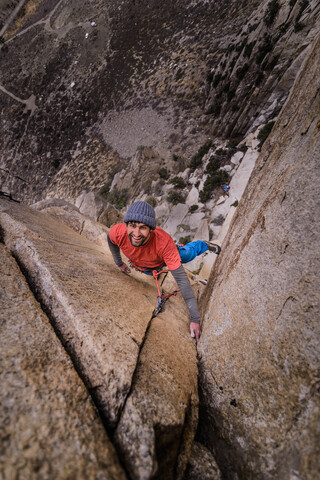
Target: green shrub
[[118, 198], [147, 187], [104, 191], [271, 12], [158, 187], [1, 39], [185, 240], [178, 182], [175, 197], [221, 152], [193, 208], [243, 147], [197, 158], [264, 133], [235, 204], [152, 201], [218, 220], [212, 182], [175, 157], [163, 172], [213, 165]]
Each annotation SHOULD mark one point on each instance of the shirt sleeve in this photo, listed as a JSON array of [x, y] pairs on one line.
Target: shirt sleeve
[[115, 251], [182, 280]]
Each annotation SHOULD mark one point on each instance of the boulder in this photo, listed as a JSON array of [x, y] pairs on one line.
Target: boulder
[[91, 204], [110, 216], [260, 349], [236, 158], [49, 426]]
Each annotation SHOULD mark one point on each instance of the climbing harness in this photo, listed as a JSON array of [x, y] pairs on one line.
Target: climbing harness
[[156, 272]]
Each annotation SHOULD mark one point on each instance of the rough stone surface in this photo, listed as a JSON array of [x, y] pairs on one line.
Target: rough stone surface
[[175, 218], [104, 320], [202, 464], [110, 216], [49, 425], [83, 290], [71, 216], [259, 368], [91, 204], [158, 422]]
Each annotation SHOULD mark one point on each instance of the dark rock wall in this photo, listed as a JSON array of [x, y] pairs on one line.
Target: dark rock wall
[[84, 84]]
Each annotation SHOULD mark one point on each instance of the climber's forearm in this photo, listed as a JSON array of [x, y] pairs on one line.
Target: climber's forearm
[[182, 280], [115, 251]]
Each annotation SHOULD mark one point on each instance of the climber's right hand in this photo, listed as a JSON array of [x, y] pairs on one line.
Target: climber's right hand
[[195, 330], [125, 269]]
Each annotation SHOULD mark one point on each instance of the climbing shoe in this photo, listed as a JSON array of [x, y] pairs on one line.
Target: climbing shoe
[[213, 247]]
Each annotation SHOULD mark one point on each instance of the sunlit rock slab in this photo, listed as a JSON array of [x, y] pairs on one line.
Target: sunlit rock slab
[[49, 425], [100, 314]]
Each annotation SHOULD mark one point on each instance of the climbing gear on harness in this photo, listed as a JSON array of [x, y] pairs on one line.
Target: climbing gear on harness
[[161, 298], [145, 270], [156, 272], [213, 247]]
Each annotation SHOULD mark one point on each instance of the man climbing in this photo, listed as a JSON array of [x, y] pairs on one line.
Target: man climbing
[[149, 248]]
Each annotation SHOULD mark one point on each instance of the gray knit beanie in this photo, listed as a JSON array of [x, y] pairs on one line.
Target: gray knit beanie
[[141, 212]]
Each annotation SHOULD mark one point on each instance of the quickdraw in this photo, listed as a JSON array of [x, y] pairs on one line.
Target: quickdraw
[[161, 298]]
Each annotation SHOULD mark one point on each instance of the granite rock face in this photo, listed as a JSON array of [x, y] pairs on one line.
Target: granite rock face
[[158, 422], [104, 321], [259, 368], [49, 425], [202, 464]]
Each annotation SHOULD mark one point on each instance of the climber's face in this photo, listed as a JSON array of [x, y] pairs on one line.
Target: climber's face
[[138, 233]]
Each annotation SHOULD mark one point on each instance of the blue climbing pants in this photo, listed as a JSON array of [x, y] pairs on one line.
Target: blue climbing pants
[[192, 250]]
